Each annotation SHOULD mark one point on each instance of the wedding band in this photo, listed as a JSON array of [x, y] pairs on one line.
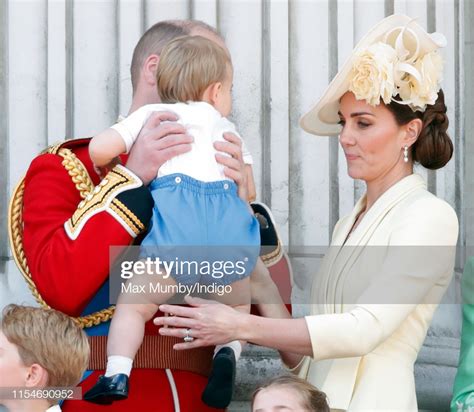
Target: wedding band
[[188, 338]]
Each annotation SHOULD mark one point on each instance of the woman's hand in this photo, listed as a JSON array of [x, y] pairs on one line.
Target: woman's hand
[[234, 166], [210, 323]]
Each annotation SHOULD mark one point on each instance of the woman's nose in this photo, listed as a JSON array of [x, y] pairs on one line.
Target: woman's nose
[[346, 138]]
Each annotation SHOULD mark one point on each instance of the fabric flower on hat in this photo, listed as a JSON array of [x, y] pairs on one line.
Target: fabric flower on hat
[[393, 69], [372, 74], [421, 87]]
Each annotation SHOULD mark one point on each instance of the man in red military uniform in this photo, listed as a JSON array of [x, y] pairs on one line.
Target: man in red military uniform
[[72, 215]]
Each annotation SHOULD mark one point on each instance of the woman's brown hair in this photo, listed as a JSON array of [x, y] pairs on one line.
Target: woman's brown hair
[[433, 148]]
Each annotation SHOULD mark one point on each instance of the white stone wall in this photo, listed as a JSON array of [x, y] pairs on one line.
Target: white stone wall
[[64, 72]]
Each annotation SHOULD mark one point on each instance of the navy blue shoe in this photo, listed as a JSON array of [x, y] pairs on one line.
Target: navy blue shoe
[[220, 386], [108, 389]]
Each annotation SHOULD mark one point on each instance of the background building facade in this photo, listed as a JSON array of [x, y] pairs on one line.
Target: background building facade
[[64, 72]]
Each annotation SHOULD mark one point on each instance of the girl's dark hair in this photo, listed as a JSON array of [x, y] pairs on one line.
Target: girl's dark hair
[[433, 148]]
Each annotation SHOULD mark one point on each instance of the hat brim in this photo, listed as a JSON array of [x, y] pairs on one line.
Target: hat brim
[[322, 119]]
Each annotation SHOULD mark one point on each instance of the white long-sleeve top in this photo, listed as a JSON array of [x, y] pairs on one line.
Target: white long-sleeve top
[[203, 122]]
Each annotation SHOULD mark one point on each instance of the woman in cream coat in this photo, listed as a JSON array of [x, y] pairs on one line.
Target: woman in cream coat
[[390, 260]]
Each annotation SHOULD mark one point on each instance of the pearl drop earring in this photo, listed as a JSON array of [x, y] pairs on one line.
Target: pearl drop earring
[[405, 154]]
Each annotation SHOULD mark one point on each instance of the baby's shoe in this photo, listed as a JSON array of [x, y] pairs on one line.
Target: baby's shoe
[[108, 389], [220, 386]]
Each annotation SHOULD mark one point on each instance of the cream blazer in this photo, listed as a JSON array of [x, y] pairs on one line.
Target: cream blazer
[[374, 298]]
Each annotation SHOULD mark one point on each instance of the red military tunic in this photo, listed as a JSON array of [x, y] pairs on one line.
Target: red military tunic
[[67, 250], [66, 240]]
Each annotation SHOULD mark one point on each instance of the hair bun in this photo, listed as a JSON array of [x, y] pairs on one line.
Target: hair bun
[[440, 117], [434, 147]]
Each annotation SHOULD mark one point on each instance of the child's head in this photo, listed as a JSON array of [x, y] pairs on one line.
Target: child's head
[[40, 348], [193, 68], [288, 393]]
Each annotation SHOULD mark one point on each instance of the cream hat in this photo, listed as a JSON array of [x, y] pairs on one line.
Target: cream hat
[[396, 58]]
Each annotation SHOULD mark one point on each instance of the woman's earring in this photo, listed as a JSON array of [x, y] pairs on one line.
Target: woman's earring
[[405, 154]]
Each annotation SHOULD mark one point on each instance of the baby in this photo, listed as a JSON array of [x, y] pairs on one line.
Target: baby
[[195, 204], [289, 393], [39, 349]]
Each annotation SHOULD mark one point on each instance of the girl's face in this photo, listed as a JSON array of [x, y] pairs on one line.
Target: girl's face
[[278, 399], [371, 139]]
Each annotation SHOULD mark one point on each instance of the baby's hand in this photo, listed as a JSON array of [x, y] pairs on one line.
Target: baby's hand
[[103, 170]]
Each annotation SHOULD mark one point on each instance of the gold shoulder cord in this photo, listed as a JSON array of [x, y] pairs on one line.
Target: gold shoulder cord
[[84, 185]]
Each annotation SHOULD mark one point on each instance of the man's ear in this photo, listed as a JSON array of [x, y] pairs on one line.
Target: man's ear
[[149, 69], [37, 377], [412, 131]]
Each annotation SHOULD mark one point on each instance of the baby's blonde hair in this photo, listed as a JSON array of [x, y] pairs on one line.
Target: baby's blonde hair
[[49, 338], [188, 66]]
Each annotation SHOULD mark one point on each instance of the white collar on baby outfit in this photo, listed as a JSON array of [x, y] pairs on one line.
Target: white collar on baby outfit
[[54, 408]]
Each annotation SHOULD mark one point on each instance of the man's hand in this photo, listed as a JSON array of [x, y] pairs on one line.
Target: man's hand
[[234, 166], [159, 140]]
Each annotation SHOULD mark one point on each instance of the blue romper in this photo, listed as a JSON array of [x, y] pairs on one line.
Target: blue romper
[[202, 222], [198, 216]]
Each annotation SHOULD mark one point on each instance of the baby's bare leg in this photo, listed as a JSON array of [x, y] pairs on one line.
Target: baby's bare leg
[[134, 308], [133, 311]]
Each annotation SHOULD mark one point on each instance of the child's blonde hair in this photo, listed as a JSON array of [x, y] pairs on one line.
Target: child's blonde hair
[[188, 66], [313, 399], [49, 338]]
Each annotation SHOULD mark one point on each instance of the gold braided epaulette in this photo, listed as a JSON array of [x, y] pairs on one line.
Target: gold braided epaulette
[[103, 197], [85, 186]]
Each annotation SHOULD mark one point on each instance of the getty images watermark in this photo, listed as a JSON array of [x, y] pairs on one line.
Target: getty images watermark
[[165, 268], [178, 269], [175, 272]]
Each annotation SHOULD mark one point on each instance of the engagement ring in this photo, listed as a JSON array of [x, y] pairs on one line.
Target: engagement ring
[[188, 338]]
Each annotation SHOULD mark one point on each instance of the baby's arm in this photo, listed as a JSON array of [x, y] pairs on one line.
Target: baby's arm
[[105, 147], [119, 138]]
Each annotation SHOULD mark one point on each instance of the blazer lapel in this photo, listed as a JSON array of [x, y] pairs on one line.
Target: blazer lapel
[[362, 235], [322, 286], [382, 206]]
